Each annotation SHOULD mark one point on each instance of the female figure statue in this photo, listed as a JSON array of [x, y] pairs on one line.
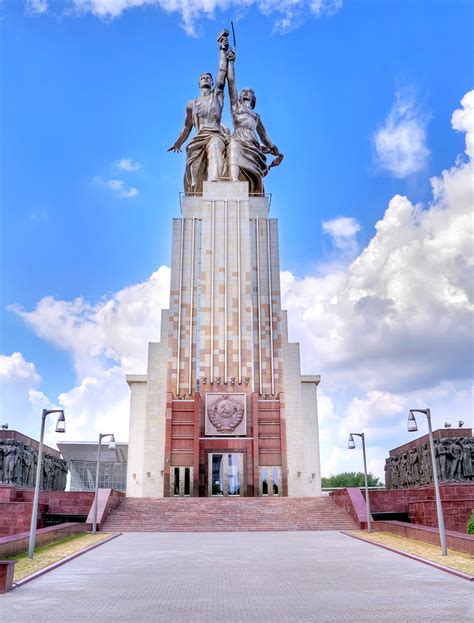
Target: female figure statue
[[246, 159]]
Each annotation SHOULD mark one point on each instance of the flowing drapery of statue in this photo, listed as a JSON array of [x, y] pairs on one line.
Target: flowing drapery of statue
[[246, 160], [213, 153]]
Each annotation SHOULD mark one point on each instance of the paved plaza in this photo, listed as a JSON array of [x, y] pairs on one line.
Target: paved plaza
[[238, 577]]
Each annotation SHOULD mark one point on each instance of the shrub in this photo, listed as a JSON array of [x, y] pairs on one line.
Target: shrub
[[470, 524]]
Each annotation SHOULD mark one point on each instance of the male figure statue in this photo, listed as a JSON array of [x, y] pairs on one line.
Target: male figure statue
[[205, 152], [246, 159]]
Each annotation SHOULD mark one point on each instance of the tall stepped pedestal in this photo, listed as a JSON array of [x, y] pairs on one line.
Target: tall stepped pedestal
[[224, 408]]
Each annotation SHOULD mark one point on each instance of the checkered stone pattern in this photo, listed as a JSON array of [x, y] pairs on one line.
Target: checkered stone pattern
[[226, 224], [225, 331]]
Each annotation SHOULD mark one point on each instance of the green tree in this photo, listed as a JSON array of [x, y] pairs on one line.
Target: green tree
[[470, 525], [350, 479]]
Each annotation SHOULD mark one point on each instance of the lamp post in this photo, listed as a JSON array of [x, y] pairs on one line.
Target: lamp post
[[412, 427], [112, 446], [351, 446], [60, 428]]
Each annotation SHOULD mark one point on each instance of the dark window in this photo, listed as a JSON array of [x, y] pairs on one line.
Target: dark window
[[187, 481]]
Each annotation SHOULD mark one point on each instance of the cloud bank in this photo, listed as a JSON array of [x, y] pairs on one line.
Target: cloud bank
[[287, 14]]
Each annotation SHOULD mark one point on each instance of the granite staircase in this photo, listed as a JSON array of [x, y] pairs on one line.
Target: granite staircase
[[227, 515]]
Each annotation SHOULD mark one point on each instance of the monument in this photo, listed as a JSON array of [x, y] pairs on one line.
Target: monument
[[19, 458], [410, 465], [223, 409]]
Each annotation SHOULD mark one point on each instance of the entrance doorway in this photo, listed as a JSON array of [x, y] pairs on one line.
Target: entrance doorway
[[225, 474]]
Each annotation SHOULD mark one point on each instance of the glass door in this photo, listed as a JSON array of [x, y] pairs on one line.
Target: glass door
[[216, 469], [225, 474]]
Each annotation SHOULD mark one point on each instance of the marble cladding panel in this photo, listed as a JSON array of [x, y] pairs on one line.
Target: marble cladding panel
[[274, 335], [182, 338], [216, 263], [229, 205]]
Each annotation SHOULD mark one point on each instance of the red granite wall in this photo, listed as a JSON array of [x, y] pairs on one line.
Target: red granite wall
[[16, 517], [16, 504], [186, 443], [15, 544], [420, 504], [342, 499]]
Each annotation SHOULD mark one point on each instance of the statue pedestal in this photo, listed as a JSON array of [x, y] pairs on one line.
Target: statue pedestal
[[224, 333]]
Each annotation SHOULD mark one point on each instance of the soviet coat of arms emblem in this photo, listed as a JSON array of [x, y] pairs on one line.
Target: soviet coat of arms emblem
[[226, 412]]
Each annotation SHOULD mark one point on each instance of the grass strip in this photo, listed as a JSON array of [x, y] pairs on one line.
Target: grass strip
[[459, 561], [53, 552]]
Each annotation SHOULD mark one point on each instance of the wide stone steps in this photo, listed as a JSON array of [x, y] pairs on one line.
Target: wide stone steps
[[227, 515]]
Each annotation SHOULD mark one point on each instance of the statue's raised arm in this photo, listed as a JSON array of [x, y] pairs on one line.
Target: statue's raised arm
[[205, 151], [246, 160]]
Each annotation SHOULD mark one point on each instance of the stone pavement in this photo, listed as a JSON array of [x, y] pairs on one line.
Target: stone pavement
[[238, 577]]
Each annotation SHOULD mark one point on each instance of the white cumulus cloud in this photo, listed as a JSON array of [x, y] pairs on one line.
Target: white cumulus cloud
[[36, 7], [401, 313], [128, 165], [400, 143], [463, 121], [286, 14], [119, 186], [15, 367], [19, 395], [116, 329], [341, 227], [343, 231], [393, 329], [105, 341]]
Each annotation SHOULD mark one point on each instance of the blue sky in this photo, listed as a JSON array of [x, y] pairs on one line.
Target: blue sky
[[359, 97]]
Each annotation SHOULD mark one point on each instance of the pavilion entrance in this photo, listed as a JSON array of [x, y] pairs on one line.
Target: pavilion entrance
[[225, 470]]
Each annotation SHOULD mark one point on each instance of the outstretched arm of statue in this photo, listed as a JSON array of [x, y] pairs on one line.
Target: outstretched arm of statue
[[267, 146], [233, 94], [186, 131]]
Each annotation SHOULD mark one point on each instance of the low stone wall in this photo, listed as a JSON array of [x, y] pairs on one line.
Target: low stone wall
[[108, 500], [454, 540], [420, 504], [16, 505], [67, 502], [353, 502], [18, 543], [456, 513]]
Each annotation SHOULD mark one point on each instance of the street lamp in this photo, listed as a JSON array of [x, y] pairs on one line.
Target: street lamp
[[412, 427], [112, 446], [60, 428], [351, 445]]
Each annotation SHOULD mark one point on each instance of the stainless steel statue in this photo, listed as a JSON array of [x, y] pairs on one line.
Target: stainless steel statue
[[246, 158], [212, 154], [205, 153]]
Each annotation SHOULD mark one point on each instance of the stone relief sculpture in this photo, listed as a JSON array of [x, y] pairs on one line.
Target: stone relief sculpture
[[225, 414], [18, 467], [454, 458], [212, 154]]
